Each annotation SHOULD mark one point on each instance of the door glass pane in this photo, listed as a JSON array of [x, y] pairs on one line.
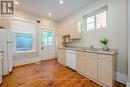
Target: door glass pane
[[24, 42], [101, 20], [44, 39], [49, 38]]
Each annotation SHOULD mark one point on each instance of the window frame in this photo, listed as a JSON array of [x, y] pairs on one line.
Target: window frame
[[94, 13], [33, 43]]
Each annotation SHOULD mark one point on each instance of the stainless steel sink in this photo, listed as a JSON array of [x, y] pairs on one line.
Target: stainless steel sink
[[84, 49]]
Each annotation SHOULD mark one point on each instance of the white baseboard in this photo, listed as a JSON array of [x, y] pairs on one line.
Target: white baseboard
[[121, 78], [128, 84], [25, 61]]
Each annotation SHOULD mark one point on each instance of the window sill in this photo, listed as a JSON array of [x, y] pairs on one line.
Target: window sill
[[95, 29], [21, 52]]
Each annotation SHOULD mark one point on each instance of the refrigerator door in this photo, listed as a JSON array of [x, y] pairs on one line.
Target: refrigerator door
[[3, 47], [6, 45]]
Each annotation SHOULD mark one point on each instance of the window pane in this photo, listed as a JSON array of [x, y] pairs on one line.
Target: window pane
[[90, 19], [90, 23], [24, 42], [44, 39], [49, 38], [90, 26], [101, 20]]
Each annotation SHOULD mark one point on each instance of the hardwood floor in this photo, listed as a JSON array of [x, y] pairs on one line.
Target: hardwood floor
[[47, 74]]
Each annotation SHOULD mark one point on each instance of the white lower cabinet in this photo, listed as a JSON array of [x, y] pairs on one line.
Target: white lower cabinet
[[97, 67], [91, 68], [79, 62], [105, 72], [62, 56], [90, 64]]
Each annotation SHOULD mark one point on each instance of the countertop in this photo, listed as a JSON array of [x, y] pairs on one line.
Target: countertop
[[95, 50]]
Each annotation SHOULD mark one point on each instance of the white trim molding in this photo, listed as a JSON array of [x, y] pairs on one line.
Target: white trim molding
[[26, 61], [48, 28], [121, 78]]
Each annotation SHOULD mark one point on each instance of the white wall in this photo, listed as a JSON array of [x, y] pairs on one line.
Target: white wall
[[44, 21], [25, 58], [116, 31]]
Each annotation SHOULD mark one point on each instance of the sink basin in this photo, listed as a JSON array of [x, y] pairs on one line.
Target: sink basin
[[84, 49]]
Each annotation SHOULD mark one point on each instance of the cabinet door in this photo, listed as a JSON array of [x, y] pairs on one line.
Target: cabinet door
[[91, 67], [62, 56], [105, 72], [80, 62], [75, 30]]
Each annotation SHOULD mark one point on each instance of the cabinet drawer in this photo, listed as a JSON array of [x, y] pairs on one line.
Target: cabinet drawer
[[87, 55], [105, 57], [81, 53], [91, 55]]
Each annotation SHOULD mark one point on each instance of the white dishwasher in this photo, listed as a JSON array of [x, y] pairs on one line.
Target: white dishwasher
[[71, 59]]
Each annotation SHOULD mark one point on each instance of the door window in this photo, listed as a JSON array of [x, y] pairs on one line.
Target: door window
[[44, 40], [47, 38]]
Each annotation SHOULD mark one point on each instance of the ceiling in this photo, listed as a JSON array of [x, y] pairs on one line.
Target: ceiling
[[43, 7]]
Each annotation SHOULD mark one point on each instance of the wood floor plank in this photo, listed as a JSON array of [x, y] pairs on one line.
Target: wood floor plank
[[47, 74]]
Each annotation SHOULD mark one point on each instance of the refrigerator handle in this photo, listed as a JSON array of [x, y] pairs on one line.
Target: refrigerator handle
[[9, 42]]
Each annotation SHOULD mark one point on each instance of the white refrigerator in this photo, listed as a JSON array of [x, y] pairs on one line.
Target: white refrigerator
[[6, 45]]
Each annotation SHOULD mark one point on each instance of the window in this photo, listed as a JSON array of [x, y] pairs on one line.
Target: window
[[24, 42], [47, 38], [95, 20]]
